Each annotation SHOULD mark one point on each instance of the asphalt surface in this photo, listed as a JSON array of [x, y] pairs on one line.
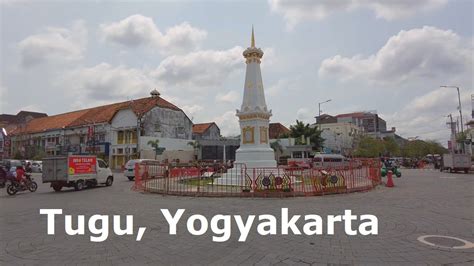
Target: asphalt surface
[[423, 202]]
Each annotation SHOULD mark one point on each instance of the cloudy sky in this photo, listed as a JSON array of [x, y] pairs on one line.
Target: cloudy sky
[[388, 56]]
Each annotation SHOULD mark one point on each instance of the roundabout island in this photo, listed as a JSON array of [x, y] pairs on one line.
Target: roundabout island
[[255, 172]]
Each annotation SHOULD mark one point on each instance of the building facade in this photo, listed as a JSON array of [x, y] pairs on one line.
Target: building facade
[[372, 124], [111, 132], [207, 131], [8, 123], [340, 137]]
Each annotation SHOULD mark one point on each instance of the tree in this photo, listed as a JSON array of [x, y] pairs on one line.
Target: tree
[[420, 148], [156, 146], [391, 147], [196, 146], [301, 131], [369, 147]]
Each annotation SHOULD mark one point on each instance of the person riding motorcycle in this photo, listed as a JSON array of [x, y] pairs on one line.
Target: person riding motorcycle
[[28, 168], [3, 177], [20, 175]]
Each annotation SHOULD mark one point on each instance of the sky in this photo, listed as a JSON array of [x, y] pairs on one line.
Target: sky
[[364, 55]]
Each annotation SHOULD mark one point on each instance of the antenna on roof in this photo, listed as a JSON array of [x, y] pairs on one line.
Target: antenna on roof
[[154, 93]]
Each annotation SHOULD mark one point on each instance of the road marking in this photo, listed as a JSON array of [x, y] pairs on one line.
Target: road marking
[[467, 244], [448, 177]]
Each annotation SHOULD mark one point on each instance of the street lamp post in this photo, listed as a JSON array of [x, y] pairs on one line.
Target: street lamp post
[[319, 113], [460, 107]]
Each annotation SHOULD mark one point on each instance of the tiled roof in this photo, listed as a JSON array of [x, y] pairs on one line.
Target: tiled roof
[[201, 128], [276, 130], [100, 114]]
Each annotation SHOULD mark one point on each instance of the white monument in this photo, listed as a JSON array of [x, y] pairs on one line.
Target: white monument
[[254, 119]]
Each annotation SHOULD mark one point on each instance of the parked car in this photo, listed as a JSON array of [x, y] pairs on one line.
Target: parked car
[[129, 170], [37, 166], [9, 163]]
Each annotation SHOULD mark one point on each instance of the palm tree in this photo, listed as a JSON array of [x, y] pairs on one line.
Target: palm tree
[[196, 145], [301, 130], [155, 144]]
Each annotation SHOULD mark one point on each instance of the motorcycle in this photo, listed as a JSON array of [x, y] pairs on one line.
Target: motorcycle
[[16, 186], [5, 178]]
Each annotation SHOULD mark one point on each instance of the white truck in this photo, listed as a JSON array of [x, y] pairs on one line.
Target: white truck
[[76, 171], [456, 162]]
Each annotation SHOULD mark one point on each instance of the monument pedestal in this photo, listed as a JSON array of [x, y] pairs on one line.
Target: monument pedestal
[[255, 157]]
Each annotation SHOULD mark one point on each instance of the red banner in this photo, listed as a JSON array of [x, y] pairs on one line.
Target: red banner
[[90, 132], [82, 165]]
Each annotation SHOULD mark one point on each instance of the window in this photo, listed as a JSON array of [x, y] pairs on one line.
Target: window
[[180, 131], [134, 138], [120, 151], [102, 164], [120, 137], [297, 154]]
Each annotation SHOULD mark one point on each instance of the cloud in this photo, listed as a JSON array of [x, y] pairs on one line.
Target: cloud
[[287, 84], [295, 12], [3, 95], [228, 123], [305, 115], [229, 97], [200, 68], [138, 30], [426, 115], [190, 110], [54, 45], [418, 53], [104, 83], [176, 76]]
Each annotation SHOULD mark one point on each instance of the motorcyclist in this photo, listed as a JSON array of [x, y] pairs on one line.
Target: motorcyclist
[[28, 168], [3, 176], [20, 175]]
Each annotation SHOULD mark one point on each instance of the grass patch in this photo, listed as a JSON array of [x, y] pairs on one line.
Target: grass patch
[[198, 182]]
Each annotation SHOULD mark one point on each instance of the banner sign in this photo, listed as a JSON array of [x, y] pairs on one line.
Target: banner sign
[[90, 132], [82, 165]]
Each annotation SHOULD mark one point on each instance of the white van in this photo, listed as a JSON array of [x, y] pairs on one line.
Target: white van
[[330, 160], [129, 170]]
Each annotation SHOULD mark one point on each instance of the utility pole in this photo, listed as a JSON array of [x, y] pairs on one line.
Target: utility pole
[[452, 126], [319, 112], [459, 106]]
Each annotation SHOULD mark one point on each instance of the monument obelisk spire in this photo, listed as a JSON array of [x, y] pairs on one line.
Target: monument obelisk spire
[[254, 117]]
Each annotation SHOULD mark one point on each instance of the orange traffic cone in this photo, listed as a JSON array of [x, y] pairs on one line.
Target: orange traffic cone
[[389, 180]]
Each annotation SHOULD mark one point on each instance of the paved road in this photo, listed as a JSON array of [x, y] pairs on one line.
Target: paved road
[[422, 203]]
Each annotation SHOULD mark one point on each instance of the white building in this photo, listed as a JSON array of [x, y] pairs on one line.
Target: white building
[[116, 132], [340, 137]]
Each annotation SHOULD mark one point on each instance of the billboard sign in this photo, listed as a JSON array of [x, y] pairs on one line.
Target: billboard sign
[[82, 165]]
